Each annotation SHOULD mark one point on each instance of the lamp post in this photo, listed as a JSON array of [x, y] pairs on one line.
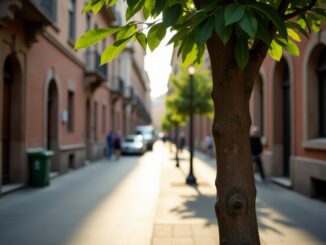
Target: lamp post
[[191, 179]]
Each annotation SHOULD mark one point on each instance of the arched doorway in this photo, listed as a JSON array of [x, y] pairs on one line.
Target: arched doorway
[[8, 80], [52, 123], [12, 123], [282, 119], [286, 121]]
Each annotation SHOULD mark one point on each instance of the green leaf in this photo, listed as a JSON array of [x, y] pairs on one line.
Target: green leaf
[[242, 52], [293, 35], [148, 8], [271, 14], [262, 31], [133, 7], [113, 50], [172, 14], [313, 22], [223, 31], [321, 13], [275, 51], [289, 46], [159, 6], [141, 38], [93, 36], [249, 24], [204, 31], [297, 26], [233, 13], [155, 35], [126, 31], [94, 5]]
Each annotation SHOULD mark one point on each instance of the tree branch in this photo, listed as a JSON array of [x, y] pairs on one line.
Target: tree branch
[[300, 11]]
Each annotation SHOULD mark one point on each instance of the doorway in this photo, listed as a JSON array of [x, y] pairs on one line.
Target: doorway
[[8, 80], [52, 122], [286, 121], [282, 120]]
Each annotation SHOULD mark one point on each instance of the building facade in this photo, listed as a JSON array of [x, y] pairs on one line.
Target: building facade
[[53, 97], [288, 105]]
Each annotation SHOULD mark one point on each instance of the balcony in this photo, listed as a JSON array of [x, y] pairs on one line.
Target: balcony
[[128, 93], [95, 74], [48, 7], [139, 105], [117, 88], [36, 14]]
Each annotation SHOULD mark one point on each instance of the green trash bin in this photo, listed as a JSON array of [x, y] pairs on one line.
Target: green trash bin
[[40, 163]]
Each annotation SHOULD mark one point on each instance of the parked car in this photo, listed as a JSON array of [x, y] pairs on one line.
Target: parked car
[[147, 131], [133, 144]]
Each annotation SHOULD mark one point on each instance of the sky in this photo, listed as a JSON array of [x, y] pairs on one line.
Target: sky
[[157, 65]]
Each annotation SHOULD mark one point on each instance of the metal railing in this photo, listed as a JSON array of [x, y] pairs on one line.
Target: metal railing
[[48, 7], [120, 85], [93, 61]]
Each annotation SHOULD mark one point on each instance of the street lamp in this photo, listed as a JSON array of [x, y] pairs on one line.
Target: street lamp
[[191, 179]]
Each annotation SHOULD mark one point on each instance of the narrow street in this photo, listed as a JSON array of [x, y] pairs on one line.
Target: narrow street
[[145, 201], [109, 202]]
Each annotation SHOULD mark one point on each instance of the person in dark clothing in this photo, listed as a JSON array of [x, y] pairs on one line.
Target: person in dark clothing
[[117, 145], [109, 140], [256, 150]]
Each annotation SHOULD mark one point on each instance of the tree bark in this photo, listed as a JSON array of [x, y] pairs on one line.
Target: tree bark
[[236, 192]]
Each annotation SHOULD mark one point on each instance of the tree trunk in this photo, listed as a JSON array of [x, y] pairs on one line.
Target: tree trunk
[[236, 192]]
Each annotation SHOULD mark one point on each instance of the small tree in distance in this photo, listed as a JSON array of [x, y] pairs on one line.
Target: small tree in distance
[[238, 34], [178, 101]]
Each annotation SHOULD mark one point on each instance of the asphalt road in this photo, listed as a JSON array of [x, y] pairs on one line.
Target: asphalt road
[[109, 202]]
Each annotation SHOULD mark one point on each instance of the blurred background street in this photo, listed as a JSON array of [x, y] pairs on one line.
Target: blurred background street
[[144, 200]]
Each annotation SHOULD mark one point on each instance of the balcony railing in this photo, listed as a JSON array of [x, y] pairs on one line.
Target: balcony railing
[[129, 92], [93, 60], [121, 85], [48, 7]]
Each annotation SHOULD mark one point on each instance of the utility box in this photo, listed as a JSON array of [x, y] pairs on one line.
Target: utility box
[[40, 163]]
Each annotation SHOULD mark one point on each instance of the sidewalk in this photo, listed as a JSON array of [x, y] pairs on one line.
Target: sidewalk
[[185, 214]]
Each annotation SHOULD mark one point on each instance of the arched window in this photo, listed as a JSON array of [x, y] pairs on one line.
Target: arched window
[[322, 93]]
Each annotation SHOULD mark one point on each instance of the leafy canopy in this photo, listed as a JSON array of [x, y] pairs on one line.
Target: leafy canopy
[[179, 100], [277, 23]]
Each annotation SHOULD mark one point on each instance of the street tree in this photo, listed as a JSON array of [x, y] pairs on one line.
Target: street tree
[[238, 35], [178, 101], [172, 120]]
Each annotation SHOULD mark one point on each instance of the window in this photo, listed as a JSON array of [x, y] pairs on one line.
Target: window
[[103, 119], [71, 111], [88, 22], [72, 19], [322, 93]]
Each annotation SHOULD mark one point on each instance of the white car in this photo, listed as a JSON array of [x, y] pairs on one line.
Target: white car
[[133, 144]]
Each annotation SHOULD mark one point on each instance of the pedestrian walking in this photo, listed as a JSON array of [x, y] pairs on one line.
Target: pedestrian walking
[[209, 145], [256, 150], [117, 145], [109, 141]]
